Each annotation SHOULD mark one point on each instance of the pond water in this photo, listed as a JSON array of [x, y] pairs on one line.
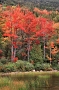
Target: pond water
[[51, 84], [33, 82], [41, 82], [47, 84], [54, 81]]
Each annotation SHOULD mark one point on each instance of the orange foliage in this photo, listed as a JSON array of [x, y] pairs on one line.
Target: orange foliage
[[56, 25], [57, 41], [46, 27], [54, 51], [41, 11], [23, 54], [52, 44]]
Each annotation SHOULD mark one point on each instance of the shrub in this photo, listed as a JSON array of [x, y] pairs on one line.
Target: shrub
[[42, 66], [20, 65], [10, 67], [3, 60], [57, 67], [38, 66], [24, 66], [28, 66], [17, 66], [54, 67], [46, 67], [1, 67]]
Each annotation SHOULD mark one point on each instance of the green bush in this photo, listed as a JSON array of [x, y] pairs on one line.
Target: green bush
[[38, 66], [10, 67], [24, 66], [20, 65], [3, 60], [1, 67], [54, 67], [42, 66], [29, 66], [46, 67], [57, 67]]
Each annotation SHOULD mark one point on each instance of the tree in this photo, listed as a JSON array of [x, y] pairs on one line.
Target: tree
[[41, 11], [36, 53], [56, 27], [29, 26], [13, 22], [45, 31]]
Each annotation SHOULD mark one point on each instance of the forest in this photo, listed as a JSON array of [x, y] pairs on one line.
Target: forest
[[42, 4], [29, 39]]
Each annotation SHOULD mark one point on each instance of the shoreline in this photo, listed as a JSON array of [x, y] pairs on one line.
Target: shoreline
[[30, 72]]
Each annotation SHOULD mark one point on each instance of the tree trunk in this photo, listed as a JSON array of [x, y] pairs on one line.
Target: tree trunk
[[44, 48], [12, 53], [50, 55], [28, 51], [15, 53]]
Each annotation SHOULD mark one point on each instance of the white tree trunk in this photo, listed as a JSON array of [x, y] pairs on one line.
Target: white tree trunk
[[44, 48]]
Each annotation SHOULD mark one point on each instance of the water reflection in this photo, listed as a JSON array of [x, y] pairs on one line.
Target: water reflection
[[38, 82], [46, 82]]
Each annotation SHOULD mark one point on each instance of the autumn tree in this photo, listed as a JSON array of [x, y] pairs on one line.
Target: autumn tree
[[29, 26], [45, 31], [13, 22]]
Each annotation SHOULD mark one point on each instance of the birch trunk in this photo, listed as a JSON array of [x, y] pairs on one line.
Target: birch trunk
[[44, 48], [28, 50]]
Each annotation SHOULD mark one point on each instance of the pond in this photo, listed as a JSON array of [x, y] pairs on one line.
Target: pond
[[51, 83], [30, 81], [43, 82], [54, 83]]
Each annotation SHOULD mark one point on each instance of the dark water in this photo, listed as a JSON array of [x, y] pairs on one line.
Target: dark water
[[40, 82], [54, 83], [51, 83], [44, 83]]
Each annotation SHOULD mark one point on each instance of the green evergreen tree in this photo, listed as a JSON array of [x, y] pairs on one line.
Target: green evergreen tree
[[36, 54]]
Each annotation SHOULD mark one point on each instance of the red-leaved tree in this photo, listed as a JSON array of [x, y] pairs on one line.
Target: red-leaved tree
[[13, 22], [29, 25], [45, 30]]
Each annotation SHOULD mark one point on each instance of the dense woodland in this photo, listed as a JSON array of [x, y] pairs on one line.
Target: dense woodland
[[29, 39], [43, 4]]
